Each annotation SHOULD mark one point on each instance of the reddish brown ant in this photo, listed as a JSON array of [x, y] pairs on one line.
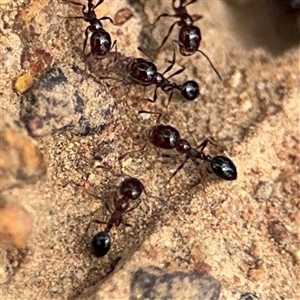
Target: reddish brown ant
[[144, 72], [168, 137], [189, 37], [130, 189], [100, 40]]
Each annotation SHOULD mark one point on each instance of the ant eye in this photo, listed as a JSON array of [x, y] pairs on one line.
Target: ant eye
[[224, 168], [190, 90], [101, 244]]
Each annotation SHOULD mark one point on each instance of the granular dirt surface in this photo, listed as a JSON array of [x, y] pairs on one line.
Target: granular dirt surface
[[243, 234]]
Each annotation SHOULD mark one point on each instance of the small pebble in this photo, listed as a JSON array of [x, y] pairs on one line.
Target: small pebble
[[122, 16], [4, 2], [23, 83], [21, 160], [15, 225]]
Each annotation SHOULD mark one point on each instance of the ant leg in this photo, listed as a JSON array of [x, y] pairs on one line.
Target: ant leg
[[88, 227], [177, 72], [154, 197], [126, 224], [99, 2], [151, 112], [169, 99], [211, 64], [167, 36], [154, 97], [108, 208], [73, 2], [133, 207], [172, 62], [210, 140], [178, 169], [196, 17], [115, 199], [205, 142], [108, 18], [78, 4], [111, 171], [97, 79], [116, 52], [164, 15], [173, 156], [188, 3], [86, 32], [145, 53], [134, 151], [94, 195]]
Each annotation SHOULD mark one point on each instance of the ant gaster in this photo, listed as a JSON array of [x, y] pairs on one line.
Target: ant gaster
[[189, 37], [130, 189], [100, 40], [168, 137]]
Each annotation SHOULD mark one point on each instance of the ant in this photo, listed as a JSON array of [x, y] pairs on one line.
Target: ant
[[100, 40], [130, 189], [189, 37], [144, 72], [168, 137]]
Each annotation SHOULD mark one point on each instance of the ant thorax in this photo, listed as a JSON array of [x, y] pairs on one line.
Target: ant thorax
[[159, 79], [186, 20], [96, 24]]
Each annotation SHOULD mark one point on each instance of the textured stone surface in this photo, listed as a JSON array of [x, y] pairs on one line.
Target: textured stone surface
[[21, 161], [155, 283], [62, 100], [16, 224]]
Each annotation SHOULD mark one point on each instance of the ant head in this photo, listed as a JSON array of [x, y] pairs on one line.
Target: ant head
[[141, 71], [131, 188], [101, 244], [189, 39], [224, 168], [164, 136], [190, 90], [100, 42]]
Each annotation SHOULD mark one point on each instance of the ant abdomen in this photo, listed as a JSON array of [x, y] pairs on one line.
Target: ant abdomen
[[164, 136], [101, 244], [224, 168], [190, 90]]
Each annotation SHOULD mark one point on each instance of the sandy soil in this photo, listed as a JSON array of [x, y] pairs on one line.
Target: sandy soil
[[244, 234]]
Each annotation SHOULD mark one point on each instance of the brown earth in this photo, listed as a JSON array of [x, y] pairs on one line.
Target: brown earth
[[241, 235]]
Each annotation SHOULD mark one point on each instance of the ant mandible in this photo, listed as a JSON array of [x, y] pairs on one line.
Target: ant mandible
[[189, 37], [168, 137], [130, 190], [100, 40]]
